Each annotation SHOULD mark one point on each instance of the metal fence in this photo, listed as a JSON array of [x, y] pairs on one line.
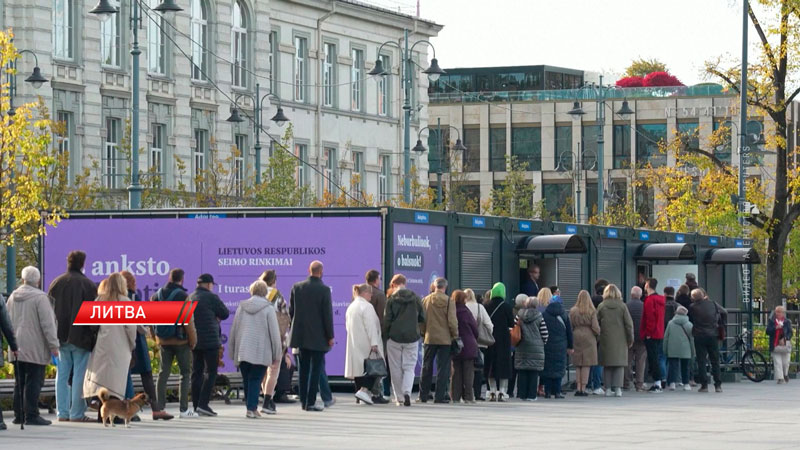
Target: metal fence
[[738, 321]]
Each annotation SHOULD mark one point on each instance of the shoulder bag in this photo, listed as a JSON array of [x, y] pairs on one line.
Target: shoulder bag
[[516, 333], [720, 324], [375, 366], [457, 344], [485, 336]]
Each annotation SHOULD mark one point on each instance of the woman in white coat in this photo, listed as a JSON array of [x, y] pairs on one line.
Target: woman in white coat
[[484, 321], [363, 341], [111, 357]]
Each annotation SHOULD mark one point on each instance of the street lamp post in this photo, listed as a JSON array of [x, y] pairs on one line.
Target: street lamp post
[[105, 10], [577, 165], [258, 107], [36, 79], [419, 148], [433, 72]]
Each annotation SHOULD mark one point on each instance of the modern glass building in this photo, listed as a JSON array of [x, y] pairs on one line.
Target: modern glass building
[[512, 78]]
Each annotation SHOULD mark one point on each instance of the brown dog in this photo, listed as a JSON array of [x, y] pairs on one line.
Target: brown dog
[[124, 409]]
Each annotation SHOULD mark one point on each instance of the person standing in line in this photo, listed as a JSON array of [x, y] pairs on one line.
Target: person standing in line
[[208, 313], [637, 354], [670, 306], [403, 317], [311, 311], [378, 301], [483, 320], [272, 377], [616, 337], [464, 362], [68, 292], [7, 331], [679, 349], [519, 304], [529, 357], [175, 343], [363, 341], [707, 316], [255, 343], [652, 331], [595, 385], [559, 345], [779, 330], [497, 365], [585, 330], [691, 281], [440, 329], [35, 329], [530, 281], [682, 296]]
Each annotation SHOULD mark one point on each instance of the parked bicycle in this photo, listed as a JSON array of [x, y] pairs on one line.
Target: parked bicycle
[[753, 364]]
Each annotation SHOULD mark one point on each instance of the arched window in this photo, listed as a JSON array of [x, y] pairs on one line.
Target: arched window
[[239, 44], [200, 41]]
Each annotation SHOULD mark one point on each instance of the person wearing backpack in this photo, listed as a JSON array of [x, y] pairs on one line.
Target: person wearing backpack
[[175, 342]]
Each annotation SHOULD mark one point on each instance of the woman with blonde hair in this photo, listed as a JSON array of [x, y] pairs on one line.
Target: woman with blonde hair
[[543, 299], [616, 336], [111, 357], [585, 329], [779, 330]]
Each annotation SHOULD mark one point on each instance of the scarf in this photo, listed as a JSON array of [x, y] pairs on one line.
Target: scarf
[[778, 332]]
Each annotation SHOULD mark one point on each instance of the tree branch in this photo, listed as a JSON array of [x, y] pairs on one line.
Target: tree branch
[[764, 41], [717, 162], [792, 96]]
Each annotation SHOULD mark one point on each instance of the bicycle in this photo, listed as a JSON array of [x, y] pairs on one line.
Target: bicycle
[[753, 364]]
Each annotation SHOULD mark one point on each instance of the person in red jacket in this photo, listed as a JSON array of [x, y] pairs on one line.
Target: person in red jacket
[[652, 330]]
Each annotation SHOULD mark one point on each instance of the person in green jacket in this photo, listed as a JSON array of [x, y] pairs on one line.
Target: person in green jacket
[[402, 318], [679, 348]]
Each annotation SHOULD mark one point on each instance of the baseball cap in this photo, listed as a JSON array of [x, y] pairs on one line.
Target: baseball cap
[[205, 278]]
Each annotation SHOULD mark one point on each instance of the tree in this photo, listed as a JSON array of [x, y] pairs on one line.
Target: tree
[[641, 67], [514, 197], [280, 187], [659, 79], [771, 89], [630, 82]]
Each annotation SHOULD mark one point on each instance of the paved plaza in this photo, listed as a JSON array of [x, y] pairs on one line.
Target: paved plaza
[[746, 415]]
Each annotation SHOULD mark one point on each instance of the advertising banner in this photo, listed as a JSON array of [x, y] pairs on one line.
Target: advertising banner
[[419, 254], [235, 251]]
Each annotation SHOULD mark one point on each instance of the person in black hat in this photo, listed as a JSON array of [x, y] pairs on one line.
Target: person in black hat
[[208, 313]]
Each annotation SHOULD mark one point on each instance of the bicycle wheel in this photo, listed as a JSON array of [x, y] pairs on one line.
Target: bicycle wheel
[[754, 366]]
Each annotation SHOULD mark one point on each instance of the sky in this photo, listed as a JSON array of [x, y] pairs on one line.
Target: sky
[[591, 35]]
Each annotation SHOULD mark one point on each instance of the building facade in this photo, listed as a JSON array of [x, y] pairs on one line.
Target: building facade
[[312, 54]]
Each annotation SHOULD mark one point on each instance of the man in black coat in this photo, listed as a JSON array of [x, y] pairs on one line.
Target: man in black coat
[[311, 311], [7, 330], [208, 313]]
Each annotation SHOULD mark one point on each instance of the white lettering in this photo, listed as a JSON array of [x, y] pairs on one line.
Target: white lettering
[[108, 312], [140, 313], [413, 241], [129, 312], [95, 312], [143, 267]]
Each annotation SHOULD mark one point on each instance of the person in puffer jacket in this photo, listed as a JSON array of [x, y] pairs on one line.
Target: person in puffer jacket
[[529, 355]]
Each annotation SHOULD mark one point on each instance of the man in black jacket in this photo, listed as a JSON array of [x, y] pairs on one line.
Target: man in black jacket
[[7, 330], [208, 313], [68, 292], [706, 316], [311, 311]]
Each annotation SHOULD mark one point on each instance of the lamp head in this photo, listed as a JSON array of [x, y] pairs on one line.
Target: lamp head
[[104, 9], [235, 117], [434, 71], [36, 79], [576, 110], [279, 118], [168, 6], [419, 148], [625, 110], [378, 70], [460, 146]]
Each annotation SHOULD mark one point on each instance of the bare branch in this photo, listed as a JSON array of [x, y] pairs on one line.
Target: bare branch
[[717, 162], [764, 41], [792, 96]]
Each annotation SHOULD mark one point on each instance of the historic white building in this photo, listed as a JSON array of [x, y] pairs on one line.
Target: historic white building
[[313, 54]]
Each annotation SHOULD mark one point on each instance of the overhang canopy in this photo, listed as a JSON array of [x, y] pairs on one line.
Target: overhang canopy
[[733, 256], [666, 252], [552, 243]]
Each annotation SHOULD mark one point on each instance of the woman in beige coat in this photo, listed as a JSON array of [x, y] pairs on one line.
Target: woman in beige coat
[[585, 330], [616, 337], [111, 358]]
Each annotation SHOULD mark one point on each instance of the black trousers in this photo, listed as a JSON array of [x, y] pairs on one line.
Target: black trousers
[[653, 365], [707, 348], [284, 385], [204, 375], [310, 370], [364, 382], [440, 353], [527, 383], [149, 389], [33, 375]]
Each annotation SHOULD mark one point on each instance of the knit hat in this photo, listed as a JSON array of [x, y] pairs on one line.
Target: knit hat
[[682, 310], [499, 290]]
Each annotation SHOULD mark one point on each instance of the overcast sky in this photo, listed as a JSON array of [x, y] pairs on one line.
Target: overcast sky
[[593, 35]]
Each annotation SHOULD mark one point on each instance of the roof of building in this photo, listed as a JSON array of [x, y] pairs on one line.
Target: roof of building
[[364, 4], [505, 69]]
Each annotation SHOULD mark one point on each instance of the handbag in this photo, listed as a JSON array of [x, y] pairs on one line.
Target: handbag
[[456, 346], [516, 334], [485, 336], [479, 362], [375, 367], [720, 324]]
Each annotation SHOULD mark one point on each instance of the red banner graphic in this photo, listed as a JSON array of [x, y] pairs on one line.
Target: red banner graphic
[[135, 313]]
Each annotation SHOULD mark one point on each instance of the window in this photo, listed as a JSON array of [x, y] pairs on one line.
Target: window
[[300, 69], [111, 152], [329, 75], [239, 45], [273, 60], [497, 149], [238, 164], [645, 204], [384, 178], [563, 147], [200, 41], [199, 156], [110, 45], [63, 139], [63, 26], [331, 162], [472, 157], [648, 137], [526, 146], [622, 146], [384, 91], [358, 169], [438, 150], [557, 199], [356, 81], [723, 149], [156, 42], [301, 150], [590, 134], [689, 133], [158, 132], [591, 199]]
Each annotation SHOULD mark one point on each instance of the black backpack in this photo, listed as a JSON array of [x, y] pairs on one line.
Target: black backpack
[[174, 330]]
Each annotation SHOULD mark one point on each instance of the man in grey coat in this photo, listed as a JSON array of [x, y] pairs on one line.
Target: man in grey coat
[[35, 328], [637, 356]]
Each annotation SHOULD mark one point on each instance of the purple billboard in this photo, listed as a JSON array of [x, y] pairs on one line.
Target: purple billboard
[[419, 254], [234, 250]]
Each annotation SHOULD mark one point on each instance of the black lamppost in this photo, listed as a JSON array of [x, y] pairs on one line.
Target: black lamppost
[[578, 162], [419, 148]]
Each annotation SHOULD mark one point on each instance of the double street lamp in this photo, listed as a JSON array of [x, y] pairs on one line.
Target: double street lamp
[[419, 148], [578, 166], [433, 72], [258, 107]]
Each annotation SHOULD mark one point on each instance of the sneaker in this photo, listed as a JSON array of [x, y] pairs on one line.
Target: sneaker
[[379, 400], [252, 415], [718, 389], [609, 393], [406, 400], [703, 388], [3, 426], [160, 415], [136, 418], [188, 414], [269, 409], [492, 397], [786, 379], [501, 397], [559, 396], [38, 420], [780, 381], [315, 408], [364, 397], [330, 403], [618, 392], [530, 399], [598, 391], [205, 411], [687, 387], [672, 386], [656, 390]]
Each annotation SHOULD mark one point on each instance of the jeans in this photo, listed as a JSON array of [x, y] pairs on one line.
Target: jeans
[[311, 366], [184, 356], [662, 361], [204, 376], [707, 348], [552, 386], [527, 383], [440, 353], [461, 380], [252, 374], [69, 401], [129, 387], [325, 393], [34, 380], [637, 359], [595, 377], [674, 366], [402, 362], [653, 350]]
